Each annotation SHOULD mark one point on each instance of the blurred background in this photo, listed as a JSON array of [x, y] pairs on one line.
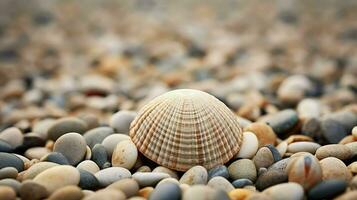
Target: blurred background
[[68, 56]]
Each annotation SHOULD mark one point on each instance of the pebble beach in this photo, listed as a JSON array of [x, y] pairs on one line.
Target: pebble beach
[[231, 100]]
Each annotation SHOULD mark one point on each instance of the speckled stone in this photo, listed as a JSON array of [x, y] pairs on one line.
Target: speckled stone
[[195, 175], [10, 160], [56, 157], [121, 120], [263, 132], [249, 145], [202, 192], [8, 172], [37, 168], [170, 172], [72, 146], [292, 191], [149, 178], [166, 191], [87, 180], [128, 185], [333, 168], [112, 174], [12, 136], [66, 125], [100, 156], [339, 151], [243, 168], [282, 121], [241, 183], [7, 193], [31, 190], [327, 189], [125, 154], [112, 140], [97, 135], [220, 170], [70, 192], [89, 166], [270, 178], [220, 183]]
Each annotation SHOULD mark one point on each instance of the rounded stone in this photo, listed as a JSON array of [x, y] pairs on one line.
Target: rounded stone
[[308, 108], [305, 170], [171, 180], [37, 168], [353, 183], [7, 193], [106, 194], [243, 168], [333, 168], [14, 184], [220, 183], [31, 190], [263, 132], [66, 125], [10, 160], [87, 180], [292, 191], [270, 178], [8, 172], [149, 178], [58, 177], [352, 167], [203, 192], [339, 151], [220, 170], [121, 121], [195, 175], [263, 158], [72, 146], [282, 121], [166, 191], [36, 152], [70, 192], [55, 157], [5, 147], [258, 196], [32, 140], [354, 132], [12, 136], [249, 145], [128, 185], [112, 140], [89, 166], [42, 127], [240, 194], [144, 168], [332, 130], [327, 189], [125, 154], [353, 148], [282, 148], [170, 172], [100, 156], [112, 174], [310, 147], [97, 135], [240, 183]]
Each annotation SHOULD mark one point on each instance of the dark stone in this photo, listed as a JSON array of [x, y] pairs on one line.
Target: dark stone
[[311, 127], [87, 180], [327, 189], [166, 191], [332, 131], [275, 152], [240, 183], [270, 178], [31, 140], [282, 121], [56, 157], [220, 170], [10, 160], [100, 156], [5, 147]]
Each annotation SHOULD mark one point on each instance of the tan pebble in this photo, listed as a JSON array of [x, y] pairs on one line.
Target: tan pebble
[[353, 167], [310, 147], [353, 148], [168, 171], [58, 177], [195, 175], [348, 139], [263, 158], [352, 195], [298, 138], [339, 151], [12, 136], [36, 152], [249, 145], [264, 133], [106, 194], [283, 191], [353, 183], [125, 154], [144, 169], [184, 187], [145, 192], [7, 193], [333, 168], [68, 192], [129, 186], [30, 163], [89, 166], [220, 183], [354, 132], [239, 194], [243, 168], [87, 192], [250, 187], [202, 192], [30, 190], [37, 168], [282, 148]]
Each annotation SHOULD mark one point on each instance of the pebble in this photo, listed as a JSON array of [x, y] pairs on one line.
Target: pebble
[[282, 121], [263, 158], [144, 168], [294, 88], [97, 135], [66, 125], [10, 160], [203, 192], [7, 193], [145, 192], [329, 128], [87, 180], [310, 147], [274, 151], [41, 127], [53, 178], [121, 120], [239, 194], [339, 151], [125, 154], [170, 172], [171, 180], [106, 194], [32, 140], [88, 154], [195, 175], [36, 152], [5, 147], [283, 191], [112, 174], [220, 170], [220, 183], [241, 183], [112, 140], [100, 156], [333, 168], [347, 139], [282, 148], [8, 172], [89, 166], [55, 157], [31, 190], [68, 192], [311, 127], [354, 132], [305, 170], [12, 136], [243, 168], [280, 165], [249, 145], [309, 108], [327, 189], [128, 185], [270, 177], [166, 191], [263, 132], [14, 184], [37, 168], [149, 178], [352, 167], [353, 148], [72, 146]]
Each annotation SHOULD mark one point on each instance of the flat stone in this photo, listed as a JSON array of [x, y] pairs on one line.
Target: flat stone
[[10, 160], [195, 175], [125, 154], [112, 174], [8, 172], [56, 157], [339, 151], [145, 179], [7, 193], [327, 189], [87, 180], [37, 168], [72, 146], [282, 121], [89, 166], [97, 135], [112, 140], [333, 168], [12, 136], [166, 191], [243, 168], [70, 192], [220, 170], [128, 185], [292, 191], [57, 177], [249, 145], [66, 125], [220, 183], [121, 120], [263, 132], [282, 148], [241, 183], [310, 147], [31, 190]]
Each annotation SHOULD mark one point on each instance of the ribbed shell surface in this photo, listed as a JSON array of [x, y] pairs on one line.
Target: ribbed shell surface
[[183, 128]]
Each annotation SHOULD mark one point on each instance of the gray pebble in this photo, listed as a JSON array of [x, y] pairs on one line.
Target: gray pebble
[[112, 174], [8, 172], [5, 147], [10, 160], [263, 158], [243, 168], [121, 120], [66, 125], [56, 157], [87, 180], [220, 170], [97, 135], [72, 146], [220, 183], [240, 183], [270, 178], [145, 179], [332, 131], [282, 121], [100, 156], [327, 189], [166, 191]]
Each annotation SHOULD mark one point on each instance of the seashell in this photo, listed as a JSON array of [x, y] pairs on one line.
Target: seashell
[[184, 128]]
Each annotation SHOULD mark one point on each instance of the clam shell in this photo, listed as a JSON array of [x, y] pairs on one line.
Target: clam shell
[[184, 128]]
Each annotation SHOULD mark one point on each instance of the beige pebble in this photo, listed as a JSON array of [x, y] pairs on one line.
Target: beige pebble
[[249, 145], [243, 168], [37, 168], [129, 186], [143, 168], [333, 168], [195, 175], [36, 152], [125, 154], [353, 148], [107, 194], [168, 171], [282, 148], [89, 166], [298, 138], [112, 140], [7, 193], [72, 146], [88, 154], [12, 136], [220, 183], [310, 147], [263, 158], [353, 167], [70, 192], [339, 151], [283, 191], [351, 195], [354, 132]]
